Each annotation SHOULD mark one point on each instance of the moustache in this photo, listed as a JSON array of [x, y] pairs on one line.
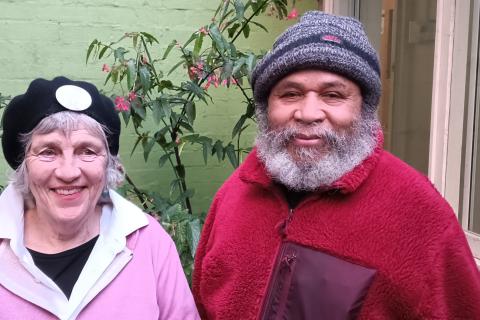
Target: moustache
[[328, 136]]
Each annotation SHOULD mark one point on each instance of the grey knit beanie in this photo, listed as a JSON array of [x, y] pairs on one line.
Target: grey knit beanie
[[325, 42]]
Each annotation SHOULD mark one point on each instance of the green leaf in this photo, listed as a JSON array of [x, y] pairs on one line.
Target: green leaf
[[246, 30], [218, 149], [126, 117], [190, 138], [166, 108], [119, 54], [109, 75], [217, 37], [90, 48], [147, 145], [233, 29], [165, 84], [135, 40], [131, 72], [250, 109], [144, 78], [233, 51], [259, 25], [160, 137], [239, 9], [238, 65], [190, 111], [232, 156], [225, 9], [149, 37], [174, 118], [114, 74], [238, 125], [139, 138], [157, 111], [175, 67], [139, 110], [227, 71], [282, 10], [187, 126], [256, 4], [198, 46], [188, 193], [206, 149], [218, 9], [169, 48], [163, 159], [194, 230], [102, 52], [192, 37], [196, 90], [251, 60]]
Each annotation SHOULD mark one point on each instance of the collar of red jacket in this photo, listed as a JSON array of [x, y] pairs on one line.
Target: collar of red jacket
[[253, 171]]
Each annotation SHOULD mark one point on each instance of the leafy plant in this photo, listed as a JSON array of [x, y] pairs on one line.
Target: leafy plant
[[4, 100], [149, 97]]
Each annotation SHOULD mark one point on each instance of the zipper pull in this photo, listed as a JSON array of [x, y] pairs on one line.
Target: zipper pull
[[283, 226], [289, 260]]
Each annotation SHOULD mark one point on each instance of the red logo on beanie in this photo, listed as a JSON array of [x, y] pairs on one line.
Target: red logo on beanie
[[331, 38]]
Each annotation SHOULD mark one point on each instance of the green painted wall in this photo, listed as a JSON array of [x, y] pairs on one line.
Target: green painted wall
[[45, 38]]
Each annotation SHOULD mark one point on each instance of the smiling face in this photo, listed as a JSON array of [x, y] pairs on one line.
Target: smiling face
[[311, 103], [313, 130], [66, 174]]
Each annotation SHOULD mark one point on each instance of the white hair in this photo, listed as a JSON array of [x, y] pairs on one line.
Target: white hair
[[308, 169]]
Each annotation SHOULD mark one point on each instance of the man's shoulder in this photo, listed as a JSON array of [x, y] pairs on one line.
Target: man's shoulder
[[398, 171], [404, 182]]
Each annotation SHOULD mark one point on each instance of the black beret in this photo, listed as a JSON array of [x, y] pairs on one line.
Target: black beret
[[44, 98]]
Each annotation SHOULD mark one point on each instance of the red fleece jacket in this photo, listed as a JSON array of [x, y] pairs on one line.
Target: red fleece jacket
[[386, 216]]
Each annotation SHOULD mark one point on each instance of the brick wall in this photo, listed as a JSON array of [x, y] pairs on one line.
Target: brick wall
[[47, 38]]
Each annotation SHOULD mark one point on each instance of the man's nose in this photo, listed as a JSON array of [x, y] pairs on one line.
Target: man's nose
[[310, 110], [68, 169]]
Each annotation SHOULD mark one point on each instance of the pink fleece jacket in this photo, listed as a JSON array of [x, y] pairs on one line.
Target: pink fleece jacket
[[151, 286]]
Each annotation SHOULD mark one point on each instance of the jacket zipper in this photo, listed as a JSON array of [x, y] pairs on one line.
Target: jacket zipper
[[285, 223], [280, 261], [288, 263]]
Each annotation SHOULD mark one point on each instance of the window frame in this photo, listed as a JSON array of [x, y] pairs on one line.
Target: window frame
[[453, 107]]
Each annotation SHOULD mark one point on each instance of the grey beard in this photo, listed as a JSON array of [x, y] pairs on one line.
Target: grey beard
[[310, 168]]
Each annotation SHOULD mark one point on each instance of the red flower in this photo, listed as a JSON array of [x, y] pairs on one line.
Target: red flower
[[121, 104], [132, 96], [203, 30], [293, 14], [196, 71], [105, 68]]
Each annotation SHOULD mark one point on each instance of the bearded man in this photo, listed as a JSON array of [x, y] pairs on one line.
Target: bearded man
[[320, 222]]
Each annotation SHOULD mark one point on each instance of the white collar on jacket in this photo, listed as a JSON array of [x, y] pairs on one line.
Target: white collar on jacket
[[116, 223]]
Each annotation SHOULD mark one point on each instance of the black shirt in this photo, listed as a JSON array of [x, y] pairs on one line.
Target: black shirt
[[64, 267], [293, 197]]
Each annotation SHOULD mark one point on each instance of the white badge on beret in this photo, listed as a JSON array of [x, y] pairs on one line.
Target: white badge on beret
[[73, 97]]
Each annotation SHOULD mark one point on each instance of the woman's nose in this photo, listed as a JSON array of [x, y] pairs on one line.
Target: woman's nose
[[68, 169]]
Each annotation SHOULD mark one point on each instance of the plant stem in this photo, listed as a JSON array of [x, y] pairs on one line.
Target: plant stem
[[249, 19], [138, 193], [242, 90], [183, 183], [150, 60]]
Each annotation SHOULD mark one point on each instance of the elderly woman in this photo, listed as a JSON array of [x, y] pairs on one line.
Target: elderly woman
[[70, 247]]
